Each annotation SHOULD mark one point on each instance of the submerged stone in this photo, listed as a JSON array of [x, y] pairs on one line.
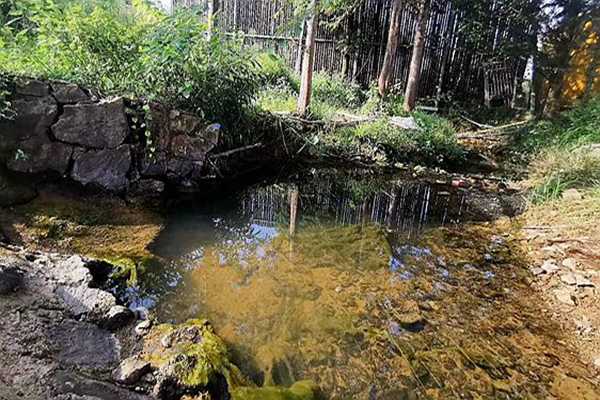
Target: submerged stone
[[302, 390]]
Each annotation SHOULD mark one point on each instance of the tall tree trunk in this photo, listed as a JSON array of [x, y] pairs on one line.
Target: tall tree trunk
[[298, 64], [308, 63], [412, 85], [385, 77]]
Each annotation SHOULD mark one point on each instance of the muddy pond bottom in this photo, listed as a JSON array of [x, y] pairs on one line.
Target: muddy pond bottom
[[374, 289]]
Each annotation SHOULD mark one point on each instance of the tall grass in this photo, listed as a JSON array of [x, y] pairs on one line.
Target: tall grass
[[558, 169], [435, 142], [576, 127], [566, 152]]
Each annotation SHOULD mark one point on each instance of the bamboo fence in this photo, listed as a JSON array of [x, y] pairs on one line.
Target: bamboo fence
[[454, 64]]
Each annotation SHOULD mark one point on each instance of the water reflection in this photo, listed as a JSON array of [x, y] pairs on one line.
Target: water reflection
[[367, 286]]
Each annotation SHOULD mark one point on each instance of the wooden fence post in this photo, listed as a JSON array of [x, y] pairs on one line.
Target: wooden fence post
[[308, 63]]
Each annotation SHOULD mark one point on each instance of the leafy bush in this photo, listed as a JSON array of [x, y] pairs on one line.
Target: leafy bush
[[180, 65], [336, 91], [132, 50], [276, 73]]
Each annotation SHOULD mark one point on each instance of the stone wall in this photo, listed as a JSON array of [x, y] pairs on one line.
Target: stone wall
[[114, 144]]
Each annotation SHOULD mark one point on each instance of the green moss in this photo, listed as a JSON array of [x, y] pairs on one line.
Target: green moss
[[302, 390], [126, 268], [195, 362], [131, 268]]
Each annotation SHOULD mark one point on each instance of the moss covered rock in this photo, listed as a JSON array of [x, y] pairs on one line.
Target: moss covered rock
[[189, 357]]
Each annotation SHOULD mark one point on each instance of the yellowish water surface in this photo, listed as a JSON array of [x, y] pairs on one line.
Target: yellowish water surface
[[368, 305]]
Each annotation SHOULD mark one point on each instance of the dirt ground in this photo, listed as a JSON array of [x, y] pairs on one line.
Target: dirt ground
[[563, 240]]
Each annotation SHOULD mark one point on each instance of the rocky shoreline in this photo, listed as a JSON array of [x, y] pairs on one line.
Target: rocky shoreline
[[60, 335], [63, 337]]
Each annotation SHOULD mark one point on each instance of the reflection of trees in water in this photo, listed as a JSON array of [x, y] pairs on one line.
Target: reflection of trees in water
[[402, 206]]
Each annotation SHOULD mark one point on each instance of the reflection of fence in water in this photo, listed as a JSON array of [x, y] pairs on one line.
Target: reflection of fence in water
[[404, 207]]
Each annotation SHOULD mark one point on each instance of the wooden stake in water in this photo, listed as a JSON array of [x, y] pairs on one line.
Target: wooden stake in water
[[294, 195]]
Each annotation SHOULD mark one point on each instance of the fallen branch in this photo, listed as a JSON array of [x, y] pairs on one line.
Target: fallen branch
[[234, 151], [494, 131], [477, 124]]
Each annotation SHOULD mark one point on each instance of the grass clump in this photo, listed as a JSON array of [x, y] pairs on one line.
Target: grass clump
[[302, 390], [331, 93], [558, 169], [276, 73], [435, 140], [566, 152], [576, 127]]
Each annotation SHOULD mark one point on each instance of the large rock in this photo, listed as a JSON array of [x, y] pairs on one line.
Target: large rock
[[10, 280], [39, 154], [32, 87], [33, 120], [182, 142], [73, 271], [68, 93], [106, 169], [147, 189], [85, 345], [92, 304], [188, 357], [117, 317], [98, 125]]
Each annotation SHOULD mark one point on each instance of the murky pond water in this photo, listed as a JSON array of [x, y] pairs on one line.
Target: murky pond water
[[374, 288]]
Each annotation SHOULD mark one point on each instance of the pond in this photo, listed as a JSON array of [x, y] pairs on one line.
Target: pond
[[373, 287]]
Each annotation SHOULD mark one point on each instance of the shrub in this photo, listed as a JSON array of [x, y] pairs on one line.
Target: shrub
[[183, 67], [276, 73], [336, 91], [392, 104], [133, 50]]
